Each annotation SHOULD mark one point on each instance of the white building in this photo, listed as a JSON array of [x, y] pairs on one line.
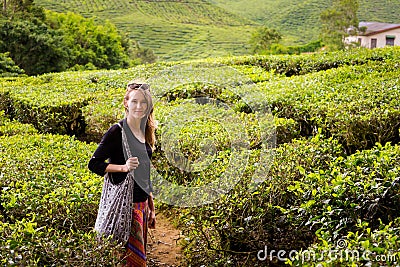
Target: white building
[[377, 34]]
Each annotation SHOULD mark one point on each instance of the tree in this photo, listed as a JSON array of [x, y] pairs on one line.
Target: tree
[[41, 41], [90, 42], [33, 47], [336, 22], [262, 39], [22, 9]]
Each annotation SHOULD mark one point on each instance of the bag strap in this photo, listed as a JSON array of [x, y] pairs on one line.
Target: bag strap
[[126, 149]]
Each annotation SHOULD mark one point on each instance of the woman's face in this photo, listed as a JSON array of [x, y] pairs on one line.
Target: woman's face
[[137, 104]]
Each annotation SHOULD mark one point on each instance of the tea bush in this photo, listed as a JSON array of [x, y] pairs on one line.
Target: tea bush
[[357, 105], [24, 243], [365, 246], [293, 65], [49, 203], [312, 190], [364, 186], [8, 127], [232, 230]]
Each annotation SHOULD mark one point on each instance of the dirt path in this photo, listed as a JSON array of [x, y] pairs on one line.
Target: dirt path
[[163, 249]]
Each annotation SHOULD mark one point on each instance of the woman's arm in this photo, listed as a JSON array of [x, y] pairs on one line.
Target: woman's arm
[[107, 148], [111, 146], [131, 164], [117, 168]]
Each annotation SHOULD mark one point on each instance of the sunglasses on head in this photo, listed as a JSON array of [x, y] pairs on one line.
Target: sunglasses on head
[[142, 86]]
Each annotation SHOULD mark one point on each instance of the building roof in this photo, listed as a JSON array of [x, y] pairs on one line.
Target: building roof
[[377, 27]]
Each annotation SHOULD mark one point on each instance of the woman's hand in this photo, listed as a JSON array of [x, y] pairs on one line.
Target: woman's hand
[[152, 214], [132, 163], [152, 219]]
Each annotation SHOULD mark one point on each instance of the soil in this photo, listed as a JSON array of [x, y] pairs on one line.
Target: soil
[[163, 244]]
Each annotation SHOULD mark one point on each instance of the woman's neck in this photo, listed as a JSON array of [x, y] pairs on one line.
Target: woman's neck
[[134, 124]]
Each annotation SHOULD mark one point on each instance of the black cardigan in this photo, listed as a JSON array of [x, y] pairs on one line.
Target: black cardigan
[[110, 150]]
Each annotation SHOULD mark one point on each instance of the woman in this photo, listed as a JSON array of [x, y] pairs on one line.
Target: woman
[[109, 157]]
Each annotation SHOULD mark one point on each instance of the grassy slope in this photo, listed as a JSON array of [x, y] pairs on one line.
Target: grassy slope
[[193, 29], [298, 20], [174, 30]]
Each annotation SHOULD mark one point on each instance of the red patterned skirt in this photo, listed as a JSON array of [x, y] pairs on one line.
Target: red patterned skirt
[[135, 255]]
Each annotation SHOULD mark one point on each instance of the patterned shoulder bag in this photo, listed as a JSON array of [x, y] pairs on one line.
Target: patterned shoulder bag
[[114, 216]]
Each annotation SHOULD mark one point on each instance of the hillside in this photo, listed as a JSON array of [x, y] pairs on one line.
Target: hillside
[[178, 30], [298, 20], [173, 29]]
